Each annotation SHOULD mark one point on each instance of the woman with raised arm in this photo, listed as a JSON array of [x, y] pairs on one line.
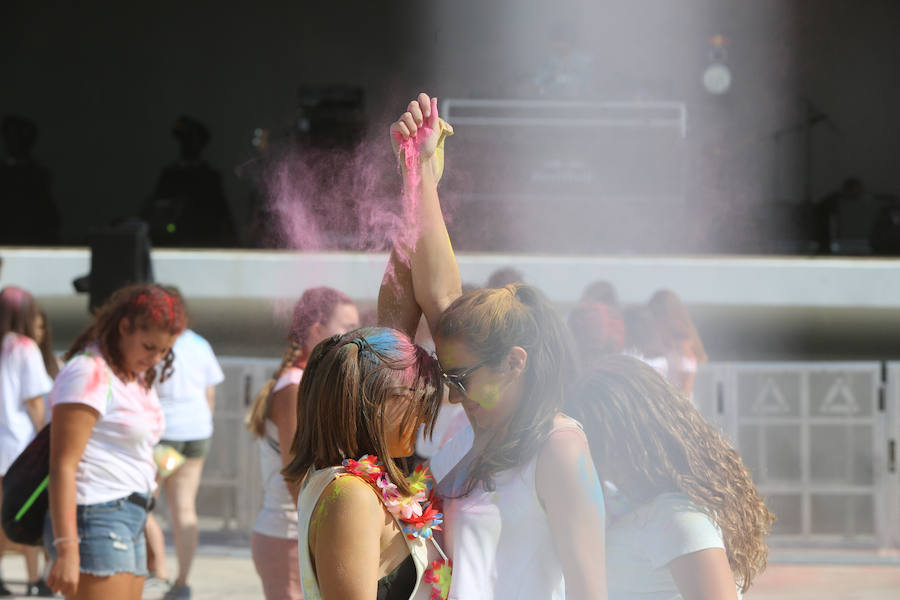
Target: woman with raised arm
[[524, 506], [686, 520], [106, 421], [319, 313], [365, 529]]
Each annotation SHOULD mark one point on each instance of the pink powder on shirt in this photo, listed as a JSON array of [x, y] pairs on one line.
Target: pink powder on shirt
[[99, 379]]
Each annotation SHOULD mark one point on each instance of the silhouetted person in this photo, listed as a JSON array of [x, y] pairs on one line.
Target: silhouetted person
[[504, 276], [885, 236], [188, 207], [601, 291], [846, 218], [28, 214]]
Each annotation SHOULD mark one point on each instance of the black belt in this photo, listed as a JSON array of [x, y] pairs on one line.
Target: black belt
[[145, 502]]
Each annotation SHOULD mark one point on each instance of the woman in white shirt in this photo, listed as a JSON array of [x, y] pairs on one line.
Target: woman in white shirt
[[523, 506], [187, 399], [684, 348], [106, 421], [684, 518], [320, 313], [23, 383]]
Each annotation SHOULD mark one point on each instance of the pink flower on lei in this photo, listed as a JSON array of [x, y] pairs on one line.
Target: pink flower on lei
[[399, 505], [438, 575], [366, 467]]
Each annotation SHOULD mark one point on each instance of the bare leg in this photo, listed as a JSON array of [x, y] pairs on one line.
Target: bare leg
[[31, 562], [156, 549], [4, 541], [181, 493], [120, 585]]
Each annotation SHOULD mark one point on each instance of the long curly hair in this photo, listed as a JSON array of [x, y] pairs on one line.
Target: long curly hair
[[491, 322], [144, 306], [316, 305], [648, 440]]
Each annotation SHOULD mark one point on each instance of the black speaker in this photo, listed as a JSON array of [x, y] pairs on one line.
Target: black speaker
[[120, 255]]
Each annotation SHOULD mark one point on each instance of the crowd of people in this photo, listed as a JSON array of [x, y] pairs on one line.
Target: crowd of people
[[500, 452]]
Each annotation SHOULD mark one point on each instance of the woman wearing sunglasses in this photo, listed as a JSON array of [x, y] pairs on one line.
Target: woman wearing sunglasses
[[524, 507]]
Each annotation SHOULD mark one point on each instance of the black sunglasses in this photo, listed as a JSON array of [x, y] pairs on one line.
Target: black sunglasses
[[456, 381]]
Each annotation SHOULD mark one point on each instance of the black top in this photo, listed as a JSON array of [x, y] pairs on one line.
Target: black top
[[399, 583]]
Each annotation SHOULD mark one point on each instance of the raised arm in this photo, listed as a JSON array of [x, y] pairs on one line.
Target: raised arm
[[397, 307], [417, 136]]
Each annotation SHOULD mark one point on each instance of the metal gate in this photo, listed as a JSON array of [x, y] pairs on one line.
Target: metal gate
[[815, 437], [231, 488], [819, 439]]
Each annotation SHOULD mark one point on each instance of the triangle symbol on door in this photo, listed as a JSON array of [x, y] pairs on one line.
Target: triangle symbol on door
[[770, 400], [840, 400]]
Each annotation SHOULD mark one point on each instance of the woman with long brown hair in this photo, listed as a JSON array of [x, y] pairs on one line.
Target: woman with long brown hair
[[686, 517], [319, 313], [106, 421], [523, 506], [684, 348], [366, 528]]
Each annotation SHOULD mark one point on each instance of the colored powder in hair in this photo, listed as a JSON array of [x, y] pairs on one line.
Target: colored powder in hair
[[16, 296], [171, 304], [381, 340]]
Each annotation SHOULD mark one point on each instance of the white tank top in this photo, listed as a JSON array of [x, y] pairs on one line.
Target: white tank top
[[500, 541], [278, 515], [423, 552]]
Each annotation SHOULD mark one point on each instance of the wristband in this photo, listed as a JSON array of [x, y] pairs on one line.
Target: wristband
[[63, 540]]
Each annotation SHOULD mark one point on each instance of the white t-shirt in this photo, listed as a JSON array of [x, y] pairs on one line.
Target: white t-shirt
[[641, 543], [278, 515], [500, 540], [22, 377], [183, 395], [659, 363], [118, 458]]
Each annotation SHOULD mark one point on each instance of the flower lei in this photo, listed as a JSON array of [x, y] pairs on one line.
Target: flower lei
[[419, 512]]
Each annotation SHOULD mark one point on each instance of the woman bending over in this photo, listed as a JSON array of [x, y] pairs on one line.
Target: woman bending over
[[686, 520]]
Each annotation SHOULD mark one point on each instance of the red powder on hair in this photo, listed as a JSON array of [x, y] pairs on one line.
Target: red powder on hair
[[159, 307], [171, 304]]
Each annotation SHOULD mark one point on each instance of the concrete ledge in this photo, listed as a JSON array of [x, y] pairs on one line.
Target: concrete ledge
[[711, 281]]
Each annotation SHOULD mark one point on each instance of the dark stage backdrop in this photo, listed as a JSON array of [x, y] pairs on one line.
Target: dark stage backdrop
[[105, 80]]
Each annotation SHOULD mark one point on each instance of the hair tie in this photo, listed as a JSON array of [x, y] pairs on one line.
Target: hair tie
[[356, 342]]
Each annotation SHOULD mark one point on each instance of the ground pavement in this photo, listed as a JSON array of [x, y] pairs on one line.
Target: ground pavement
[[223, 569]]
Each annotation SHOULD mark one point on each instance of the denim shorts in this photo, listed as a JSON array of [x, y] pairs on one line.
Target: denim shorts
[[191, 449], [112, 538]]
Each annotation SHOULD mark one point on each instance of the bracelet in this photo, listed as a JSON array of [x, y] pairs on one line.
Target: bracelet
[[63, 540]]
